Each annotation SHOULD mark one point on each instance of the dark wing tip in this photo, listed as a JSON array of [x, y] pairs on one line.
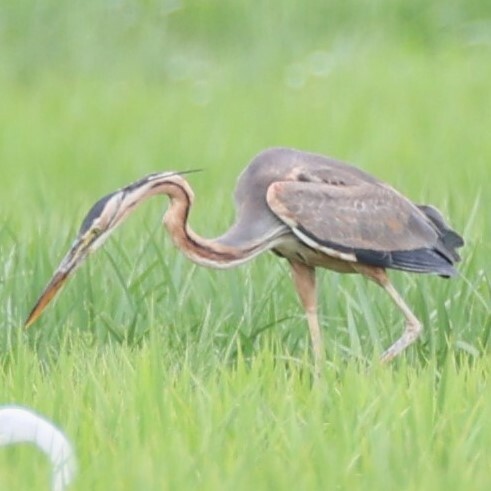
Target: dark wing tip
[[422, 260], [452, 239], [449, 240]]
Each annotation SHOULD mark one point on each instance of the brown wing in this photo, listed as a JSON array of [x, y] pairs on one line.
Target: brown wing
[[369, 220]]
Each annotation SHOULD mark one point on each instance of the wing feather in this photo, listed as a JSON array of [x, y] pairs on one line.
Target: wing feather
[[366, 222], [368, 216]]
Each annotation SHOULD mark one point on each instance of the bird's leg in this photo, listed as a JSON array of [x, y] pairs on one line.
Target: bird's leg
[[413, 325], [304, 279]]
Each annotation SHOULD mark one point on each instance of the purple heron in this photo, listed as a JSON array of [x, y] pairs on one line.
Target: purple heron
[[312, 210]]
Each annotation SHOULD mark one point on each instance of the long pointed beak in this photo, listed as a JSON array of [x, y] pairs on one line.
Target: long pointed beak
[[57, 281], [66, 268]]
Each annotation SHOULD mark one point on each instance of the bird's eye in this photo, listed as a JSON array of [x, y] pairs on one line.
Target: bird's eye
[[93, 234]]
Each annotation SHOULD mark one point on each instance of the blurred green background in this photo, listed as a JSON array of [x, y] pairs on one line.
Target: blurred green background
[[96, 93], [162, 379]]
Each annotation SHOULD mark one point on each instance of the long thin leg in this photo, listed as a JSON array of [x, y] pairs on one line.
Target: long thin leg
[[410, 334], [413, 325], [304, 279]]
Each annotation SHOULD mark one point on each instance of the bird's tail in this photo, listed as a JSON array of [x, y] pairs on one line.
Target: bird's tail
[[450, 240]]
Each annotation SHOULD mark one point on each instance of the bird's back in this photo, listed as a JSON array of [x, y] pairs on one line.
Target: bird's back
[[255, 221], [286, 164], [338, 207]]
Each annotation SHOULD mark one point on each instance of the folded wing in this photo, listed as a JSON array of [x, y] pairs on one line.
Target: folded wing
[[369, 221]]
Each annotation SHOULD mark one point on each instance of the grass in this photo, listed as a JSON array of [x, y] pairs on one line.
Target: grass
[[139, 421], [170, 376]]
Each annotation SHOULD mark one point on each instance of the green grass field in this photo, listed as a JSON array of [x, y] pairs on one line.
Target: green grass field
[[168, 376]]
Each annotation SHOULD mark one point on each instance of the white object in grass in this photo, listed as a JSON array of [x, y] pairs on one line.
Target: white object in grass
[[21, 425]]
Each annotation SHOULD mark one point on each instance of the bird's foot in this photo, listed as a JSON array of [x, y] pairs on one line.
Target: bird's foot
[[411, 334]]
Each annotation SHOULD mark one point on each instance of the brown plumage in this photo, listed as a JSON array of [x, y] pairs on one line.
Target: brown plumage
[[312, 210]]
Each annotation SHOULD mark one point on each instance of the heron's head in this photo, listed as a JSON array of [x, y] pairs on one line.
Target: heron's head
[[98, 224]]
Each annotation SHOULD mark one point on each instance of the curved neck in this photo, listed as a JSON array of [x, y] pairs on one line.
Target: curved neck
[[206, 252]]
